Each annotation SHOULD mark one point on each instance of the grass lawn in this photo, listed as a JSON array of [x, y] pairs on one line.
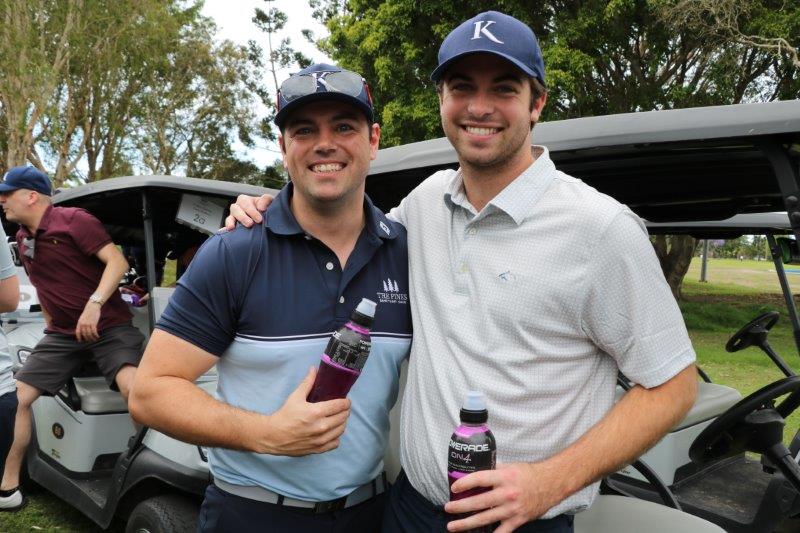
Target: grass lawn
[[736, 292]]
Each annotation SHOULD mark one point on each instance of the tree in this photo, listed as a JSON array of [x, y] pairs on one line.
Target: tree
[[602, 57], [114, 85], [34, 54], [91, 111], [277, 58], [198, 102]]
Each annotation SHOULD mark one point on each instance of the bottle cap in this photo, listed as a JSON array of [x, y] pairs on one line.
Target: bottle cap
[[364, 313], [367, 307], [473, 410]]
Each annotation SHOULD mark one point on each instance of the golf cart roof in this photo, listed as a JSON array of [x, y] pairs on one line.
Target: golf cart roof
[[117, 202], [675, 165], [134, 185], [736, 226]]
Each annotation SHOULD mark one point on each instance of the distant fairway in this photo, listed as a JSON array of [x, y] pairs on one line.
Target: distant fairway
[[732, 276]]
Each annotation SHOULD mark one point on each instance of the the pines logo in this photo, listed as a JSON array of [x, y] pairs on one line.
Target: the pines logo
[[391, 292]]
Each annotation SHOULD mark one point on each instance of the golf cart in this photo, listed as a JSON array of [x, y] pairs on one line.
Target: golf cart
[[672, 168], [85, 448]]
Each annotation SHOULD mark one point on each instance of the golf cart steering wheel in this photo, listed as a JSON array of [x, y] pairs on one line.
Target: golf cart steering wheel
[[753, 332], [735, 430]]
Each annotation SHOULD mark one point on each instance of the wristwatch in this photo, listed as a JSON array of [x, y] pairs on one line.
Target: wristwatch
[[96, 299]]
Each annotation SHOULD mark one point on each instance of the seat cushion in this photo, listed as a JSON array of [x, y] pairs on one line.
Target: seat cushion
[[618, 514], [97, 398], [712, 400]]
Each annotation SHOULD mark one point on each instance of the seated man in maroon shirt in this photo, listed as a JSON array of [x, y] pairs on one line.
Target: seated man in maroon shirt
[[75, 268]]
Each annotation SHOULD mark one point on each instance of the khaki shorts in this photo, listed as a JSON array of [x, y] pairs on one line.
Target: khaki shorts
[[57, 357]]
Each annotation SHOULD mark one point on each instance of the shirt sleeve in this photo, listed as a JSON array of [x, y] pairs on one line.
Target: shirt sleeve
[[203, 310], [630, 312], [7, 268], [398, 214], [88, 232]]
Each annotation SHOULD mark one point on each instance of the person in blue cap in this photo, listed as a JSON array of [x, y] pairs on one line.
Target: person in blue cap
[[262, 304], [508, 299], [75, 267]]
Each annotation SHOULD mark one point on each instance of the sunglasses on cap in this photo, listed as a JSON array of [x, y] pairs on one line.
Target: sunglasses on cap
[[344, 82]]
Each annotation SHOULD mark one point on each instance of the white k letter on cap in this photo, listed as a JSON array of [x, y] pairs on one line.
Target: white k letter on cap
[[482, 27]]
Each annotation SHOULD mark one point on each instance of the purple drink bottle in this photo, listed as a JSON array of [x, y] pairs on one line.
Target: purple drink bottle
[[472, 447], [345, 356]]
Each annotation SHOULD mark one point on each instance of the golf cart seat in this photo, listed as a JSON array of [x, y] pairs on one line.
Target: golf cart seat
[[712, 400], [616, 514], [96, 397], [88, 391]]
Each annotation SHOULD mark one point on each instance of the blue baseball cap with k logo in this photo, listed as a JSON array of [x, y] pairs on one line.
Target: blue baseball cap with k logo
[[26, 177], [495, 33]]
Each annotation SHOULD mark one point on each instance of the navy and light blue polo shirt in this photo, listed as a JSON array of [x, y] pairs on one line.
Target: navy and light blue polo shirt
[[266, 301]]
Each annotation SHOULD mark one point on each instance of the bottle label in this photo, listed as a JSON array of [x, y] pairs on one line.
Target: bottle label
[[468, 457], [348, 351]]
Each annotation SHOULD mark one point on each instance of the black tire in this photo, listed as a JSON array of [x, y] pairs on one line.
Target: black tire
[[168, 513]]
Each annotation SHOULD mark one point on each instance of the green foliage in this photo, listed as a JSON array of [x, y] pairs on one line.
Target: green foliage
[[602, 57], [122, 86]]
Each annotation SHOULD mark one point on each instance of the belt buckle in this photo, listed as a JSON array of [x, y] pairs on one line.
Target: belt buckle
[[330, 506]]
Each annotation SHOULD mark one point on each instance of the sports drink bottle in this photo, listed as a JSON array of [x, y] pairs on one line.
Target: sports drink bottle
[[472, 447], [345, 356]]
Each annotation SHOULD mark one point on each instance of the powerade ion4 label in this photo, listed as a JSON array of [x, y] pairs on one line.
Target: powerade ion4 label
[[471, 457]]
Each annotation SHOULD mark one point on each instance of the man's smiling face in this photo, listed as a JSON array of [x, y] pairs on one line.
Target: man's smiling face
[[486, 110], [327, 147]]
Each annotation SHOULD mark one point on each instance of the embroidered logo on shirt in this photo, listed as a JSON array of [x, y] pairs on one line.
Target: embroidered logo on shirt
[[385, 228], [391, 293], [507, 276]]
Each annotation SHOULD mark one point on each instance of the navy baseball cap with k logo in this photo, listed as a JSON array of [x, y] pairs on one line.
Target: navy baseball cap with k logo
[[26, 177], [493, 33]]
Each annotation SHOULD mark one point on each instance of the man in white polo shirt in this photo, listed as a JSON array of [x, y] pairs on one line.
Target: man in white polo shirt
[[535, 289]]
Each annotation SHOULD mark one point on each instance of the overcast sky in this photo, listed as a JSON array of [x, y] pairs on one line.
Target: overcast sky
[[233, 18]]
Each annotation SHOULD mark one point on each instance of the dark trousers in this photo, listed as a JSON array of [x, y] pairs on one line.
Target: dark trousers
[[223, 512], [409, 512], [8, 413]]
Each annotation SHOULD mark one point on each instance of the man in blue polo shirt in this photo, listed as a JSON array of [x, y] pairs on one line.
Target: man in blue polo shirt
[[261, 306]]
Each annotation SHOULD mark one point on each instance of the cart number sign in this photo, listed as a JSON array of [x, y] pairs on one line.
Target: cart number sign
[[202, 214]]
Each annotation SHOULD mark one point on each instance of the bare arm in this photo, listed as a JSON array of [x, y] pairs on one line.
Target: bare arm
[[524, 491], [9, 294], [165, 397], [116, 266]]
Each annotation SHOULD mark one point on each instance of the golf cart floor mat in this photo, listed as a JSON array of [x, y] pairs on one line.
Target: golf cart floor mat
[[95, 488], [733, 489]]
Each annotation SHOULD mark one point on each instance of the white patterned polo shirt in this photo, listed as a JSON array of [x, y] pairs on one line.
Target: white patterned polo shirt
[[536, 301]]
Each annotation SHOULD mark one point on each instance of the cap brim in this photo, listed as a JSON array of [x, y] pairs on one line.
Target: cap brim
[[7, 188], [437, 74], [288, 109]]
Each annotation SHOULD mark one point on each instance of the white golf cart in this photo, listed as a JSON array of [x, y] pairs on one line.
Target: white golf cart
[[85, 448], [672, 168]]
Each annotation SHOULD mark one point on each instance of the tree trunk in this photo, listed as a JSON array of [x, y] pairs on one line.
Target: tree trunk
[[675, 255]]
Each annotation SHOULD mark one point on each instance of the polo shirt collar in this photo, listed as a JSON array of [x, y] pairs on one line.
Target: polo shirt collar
[[519, 197], [44, 223], [280, 219]]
